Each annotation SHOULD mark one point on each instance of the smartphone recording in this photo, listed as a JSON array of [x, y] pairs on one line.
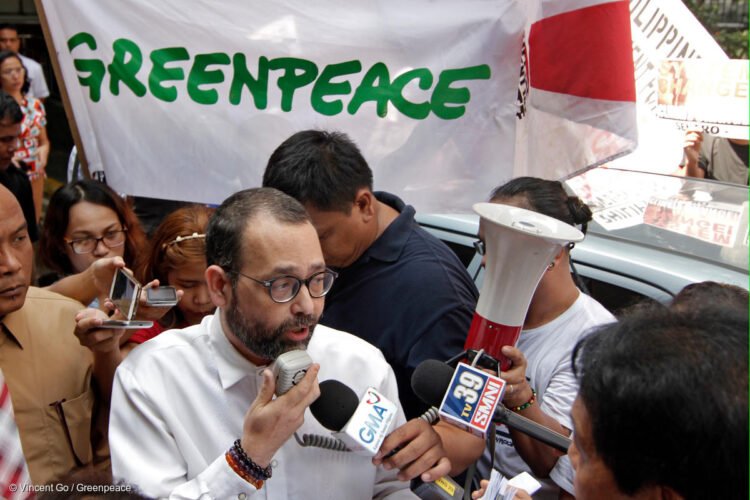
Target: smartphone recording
[[124, 294], [162, 296]]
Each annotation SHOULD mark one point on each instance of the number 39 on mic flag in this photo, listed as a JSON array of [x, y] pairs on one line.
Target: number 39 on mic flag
[[187, 99], [471, 399]]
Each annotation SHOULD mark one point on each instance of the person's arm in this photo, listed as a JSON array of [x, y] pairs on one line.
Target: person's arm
[[462, 447], [420, 452], [90, 284], [429, 451], [43, 149], [104, 343], [539, 457], [692, 150], [145, 453], [389, 482]]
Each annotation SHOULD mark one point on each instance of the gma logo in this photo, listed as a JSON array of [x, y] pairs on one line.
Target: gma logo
[[373, 423]]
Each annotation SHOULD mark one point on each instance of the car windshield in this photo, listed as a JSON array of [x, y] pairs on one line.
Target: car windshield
[[702, 218]]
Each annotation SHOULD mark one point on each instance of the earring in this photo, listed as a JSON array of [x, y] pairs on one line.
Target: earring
[[551, 265]]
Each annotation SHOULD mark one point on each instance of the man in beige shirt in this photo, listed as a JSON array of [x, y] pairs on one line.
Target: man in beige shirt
[[51, 377]]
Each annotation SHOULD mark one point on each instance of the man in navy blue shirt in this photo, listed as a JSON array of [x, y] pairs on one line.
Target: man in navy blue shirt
[[399, 288]]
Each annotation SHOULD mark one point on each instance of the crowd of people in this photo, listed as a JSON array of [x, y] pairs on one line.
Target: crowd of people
[[654, 401], [317, 260]]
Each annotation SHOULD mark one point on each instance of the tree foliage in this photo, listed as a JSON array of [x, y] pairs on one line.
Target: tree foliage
[[733, 39]]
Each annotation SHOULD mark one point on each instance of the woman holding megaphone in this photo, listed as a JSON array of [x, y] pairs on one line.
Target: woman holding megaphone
[[540, 382]]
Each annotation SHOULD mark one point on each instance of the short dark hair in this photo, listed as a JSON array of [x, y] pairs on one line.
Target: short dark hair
[[697, 295], [547, 198], [226, 229], [6, 54], [9, 109], [8, 26], [52, 246], [667, 393], [324, 169]]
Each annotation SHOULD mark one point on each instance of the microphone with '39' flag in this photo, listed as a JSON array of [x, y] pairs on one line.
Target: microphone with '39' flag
[[471, 397], [436, 383], [519, 245]]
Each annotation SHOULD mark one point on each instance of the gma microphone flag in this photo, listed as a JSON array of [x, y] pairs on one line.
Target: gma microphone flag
[[369, 425], [187, 99]]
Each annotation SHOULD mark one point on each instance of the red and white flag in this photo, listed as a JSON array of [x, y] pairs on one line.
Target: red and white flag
[[580, 108], [14, 475]]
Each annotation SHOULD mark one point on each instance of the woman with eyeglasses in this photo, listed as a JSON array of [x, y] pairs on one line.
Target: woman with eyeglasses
[[177, 257], [86, 221], [33, 143]]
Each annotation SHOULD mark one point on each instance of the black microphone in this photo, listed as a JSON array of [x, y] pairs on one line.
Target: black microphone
[[431, 379], [334, 408], [335, 405]]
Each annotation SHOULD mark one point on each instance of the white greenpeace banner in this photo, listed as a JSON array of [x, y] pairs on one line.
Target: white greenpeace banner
[[186, 99]]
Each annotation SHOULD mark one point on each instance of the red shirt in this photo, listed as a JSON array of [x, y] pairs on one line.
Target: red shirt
[[144, 334]]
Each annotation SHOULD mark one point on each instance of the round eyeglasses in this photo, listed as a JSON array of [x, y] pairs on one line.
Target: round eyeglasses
[[285, 288], [111, 239]]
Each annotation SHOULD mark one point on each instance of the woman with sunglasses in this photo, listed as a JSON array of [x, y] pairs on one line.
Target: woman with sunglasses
[[85, 222]]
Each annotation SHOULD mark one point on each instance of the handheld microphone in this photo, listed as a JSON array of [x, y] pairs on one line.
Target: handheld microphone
[[360, 424], [429, 383], [336, 406], [366, 430], [289, 369], [471, 398]]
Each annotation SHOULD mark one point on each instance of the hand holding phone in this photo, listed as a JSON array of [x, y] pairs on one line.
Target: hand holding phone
[[124, 294], [161, 296]]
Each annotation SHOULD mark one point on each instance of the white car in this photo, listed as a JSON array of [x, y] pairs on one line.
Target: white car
[[651, 235]]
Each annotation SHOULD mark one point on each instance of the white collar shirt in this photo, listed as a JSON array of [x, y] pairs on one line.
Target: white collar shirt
[[179, 402]]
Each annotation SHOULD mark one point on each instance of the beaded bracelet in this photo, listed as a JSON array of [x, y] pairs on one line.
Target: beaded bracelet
[[254, 469], [528, 403], [245, 467], [257, 483]]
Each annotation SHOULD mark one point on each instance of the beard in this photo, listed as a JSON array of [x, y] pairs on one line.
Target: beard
[[264, 341]]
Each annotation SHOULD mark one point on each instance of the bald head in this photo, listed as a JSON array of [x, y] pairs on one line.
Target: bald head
[[16, 254]]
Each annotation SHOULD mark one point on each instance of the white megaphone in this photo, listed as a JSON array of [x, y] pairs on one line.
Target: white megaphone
[[519, 245]]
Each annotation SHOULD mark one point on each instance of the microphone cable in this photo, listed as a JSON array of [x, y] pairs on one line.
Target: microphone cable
[[317, 441]]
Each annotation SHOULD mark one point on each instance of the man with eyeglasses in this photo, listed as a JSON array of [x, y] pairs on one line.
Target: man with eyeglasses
[[193, 410], [52, 379], [400, 288]]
